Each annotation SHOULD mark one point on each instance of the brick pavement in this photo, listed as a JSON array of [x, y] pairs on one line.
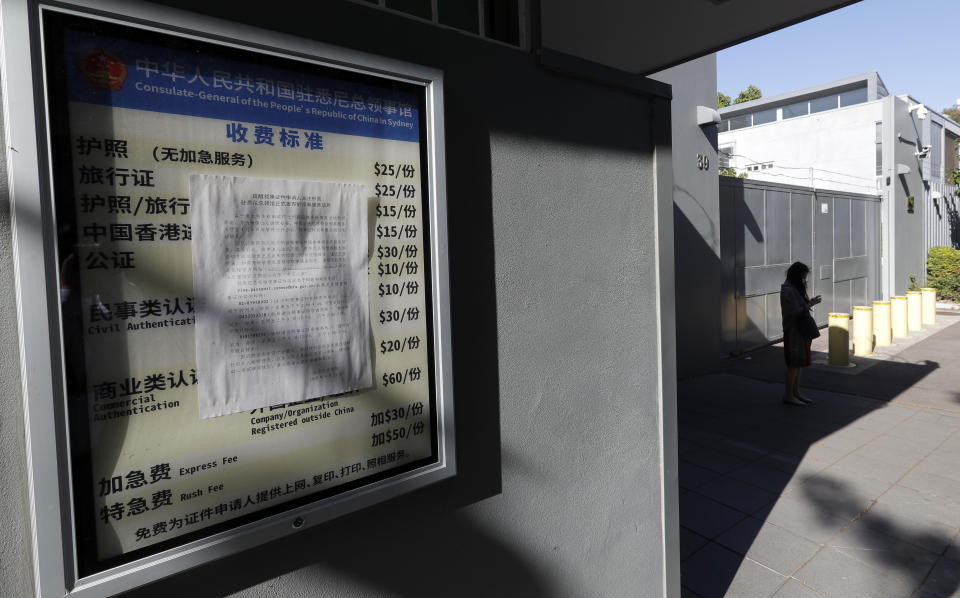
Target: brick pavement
[[855, 495]]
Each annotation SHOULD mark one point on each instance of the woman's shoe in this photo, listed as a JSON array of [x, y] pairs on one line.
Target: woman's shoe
[[794, 401]]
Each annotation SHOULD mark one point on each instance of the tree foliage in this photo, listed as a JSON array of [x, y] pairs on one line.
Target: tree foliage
[[752, 92], [952, 113], [943, 272], [731, 172]]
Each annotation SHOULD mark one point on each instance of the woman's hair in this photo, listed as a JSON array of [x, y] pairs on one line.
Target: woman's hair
[[795, 274]]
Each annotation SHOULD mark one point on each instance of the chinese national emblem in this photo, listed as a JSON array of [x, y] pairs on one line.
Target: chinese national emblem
[[103, 69]]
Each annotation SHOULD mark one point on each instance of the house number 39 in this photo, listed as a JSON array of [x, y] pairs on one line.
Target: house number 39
[[703, 162]]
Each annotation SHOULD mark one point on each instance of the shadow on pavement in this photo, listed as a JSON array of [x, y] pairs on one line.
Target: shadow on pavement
[[885, 380], [856, 495]]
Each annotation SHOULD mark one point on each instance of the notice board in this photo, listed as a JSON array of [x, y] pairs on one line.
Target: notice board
[[250, 284]]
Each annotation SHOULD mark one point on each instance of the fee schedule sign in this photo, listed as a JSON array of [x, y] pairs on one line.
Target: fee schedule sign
[[245, 272]]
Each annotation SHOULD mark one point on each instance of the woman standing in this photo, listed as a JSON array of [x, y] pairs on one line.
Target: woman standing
[[794, 306]]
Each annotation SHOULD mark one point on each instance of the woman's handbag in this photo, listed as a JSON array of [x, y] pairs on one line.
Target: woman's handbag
[[808, 326]]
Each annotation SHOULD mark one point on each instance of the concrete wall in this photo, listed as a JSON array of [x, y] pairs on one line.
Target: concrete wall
[[696, 216], [841, 141], [560, 490], [16, 574], [940, 199], [935, 201], [906, 228], [926, 128]]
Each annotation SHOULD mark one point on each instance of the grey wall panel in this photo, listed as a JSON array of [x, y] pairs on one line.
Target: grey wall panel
[[849, 268], [858, 292], [801, 228], [851, 222], [730, 195], [760, 280], [858, 227], [875, 280], [941, 216], [823, 256], [753, 328], [842, 301], [777, 227], [754, 236], [774, 320], [841, 227]]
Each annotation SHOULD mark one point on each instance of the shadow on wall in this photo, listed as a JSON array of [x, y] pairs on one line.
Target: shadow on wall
[[945, 209], [397, 550], [420, 545], [744, 332], [697, 291], [711, 323], [953, 218], [417, 544]]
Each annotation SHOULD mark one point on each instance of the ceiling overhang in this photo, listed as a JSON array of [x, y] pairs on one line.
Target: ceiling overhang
[[646, 36]]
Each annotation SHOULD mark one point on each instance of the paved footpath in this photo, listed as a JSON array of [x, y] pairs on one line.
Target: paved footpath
[[855, 495]]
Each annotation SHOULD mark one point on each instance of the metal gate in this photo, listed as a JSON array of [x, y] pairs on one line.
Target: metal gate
[[765, 227], [941, 217]]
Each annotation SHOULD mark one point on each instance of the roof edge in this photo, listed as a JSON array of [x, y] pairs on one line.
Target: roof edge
[[843, 84]]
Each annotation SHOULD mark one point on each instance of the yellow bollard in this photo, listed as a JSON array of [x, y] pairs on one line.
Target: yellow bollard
[[862, 330], [839, 339], [914, 311], [928, 306], [898, 316], [881, 323]]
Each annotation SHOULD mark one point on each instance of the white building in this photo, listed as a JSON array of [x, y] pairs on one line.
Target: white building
[[828, 136], [852, 135]]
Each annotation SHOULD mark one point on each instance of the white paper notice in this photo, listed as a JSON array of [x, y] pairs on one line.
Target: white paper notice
[[280, 284]]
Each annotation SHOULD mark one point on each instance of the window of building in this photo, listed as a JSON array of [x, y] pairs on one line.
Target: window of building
[[417, 8], [952, 159], [500, 20], [765, 116], [879, 145], [798, 109], [823, 103], [881, 89], [725, 156], [739, 122], [854, 96], [459, 14], [936, 150]]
